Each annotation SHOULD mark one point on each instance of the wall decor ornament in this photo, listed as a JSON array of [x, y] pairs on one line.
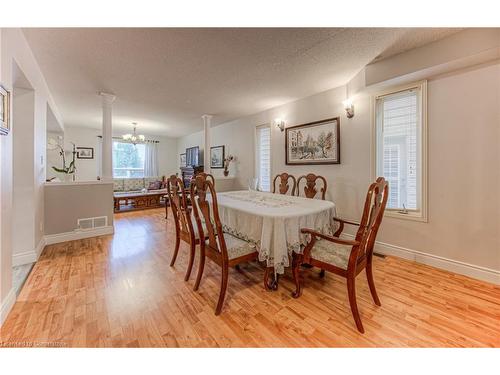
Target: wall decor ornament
[[316, 142], [217, 157], [4, 111], [85, 153], [182, 160]]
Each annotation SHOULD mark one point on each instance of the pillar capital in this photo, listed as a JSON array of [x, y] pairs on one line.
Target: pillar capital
[[107, 99]]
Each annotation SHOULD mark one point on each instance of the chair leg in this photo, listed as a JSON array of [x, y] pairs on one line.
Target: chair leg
[[223, 287], [371, 283], [201, 267], [351, 290], [296, 277], [192, 249], [177, 243]]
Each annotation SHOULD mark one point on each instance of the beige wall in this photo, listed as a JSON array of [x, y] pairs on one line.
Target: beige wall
[[464, 159], [66, 203], [15, 52]]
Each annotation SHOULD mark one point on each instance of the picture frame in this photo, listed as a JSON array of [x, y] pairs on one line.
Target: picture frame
[[217, 154], [182, 159], [84, 152], [4, 111], [313, 143]]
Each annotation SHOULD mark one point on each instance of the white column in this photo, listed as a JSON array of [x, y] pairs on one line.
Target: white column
[[107, 137], [207, 119]]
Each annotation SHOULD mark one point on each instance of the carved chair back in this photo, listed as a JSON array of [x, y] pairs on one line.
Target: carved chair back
[[178, 203], [373, 212], [283, 183], [310, 190], [207, 176], [206, 211]]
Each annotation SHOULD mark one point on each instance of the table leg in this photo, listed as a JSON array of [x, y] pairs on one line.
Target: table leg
[[273, 285]]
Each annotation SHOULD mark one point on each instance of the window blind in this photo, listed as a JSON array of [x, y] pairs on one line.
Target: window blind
[[264, 157], [398, 154]]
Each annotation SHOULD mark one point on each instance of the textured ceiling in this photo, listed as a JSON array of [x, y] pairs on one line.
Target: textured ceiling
[[166, 79]]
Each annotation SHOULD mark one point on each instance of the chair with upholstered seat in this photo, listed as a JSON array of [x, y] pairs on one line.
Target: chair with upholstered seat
[[222, 248], [283, 183], [184, 228], [310, 190], [344, 257]]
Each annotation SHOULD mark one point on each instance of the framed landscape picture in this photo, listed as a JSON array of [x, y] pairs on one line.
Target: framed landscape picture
[[313, 143], [183, 160], [4, 111], [84, 152], [217, 157]]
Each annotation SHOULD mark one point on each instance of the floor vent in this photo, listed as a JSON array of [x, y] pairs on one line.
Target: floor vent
[[92, 223]]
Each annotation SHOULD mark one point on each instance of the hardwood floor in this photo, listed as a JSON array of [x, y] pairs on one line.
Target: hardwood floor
[[118, 291]]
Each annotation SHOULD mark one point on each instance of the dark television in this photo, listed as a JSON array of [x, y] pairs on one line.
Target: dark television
[[192, 156]]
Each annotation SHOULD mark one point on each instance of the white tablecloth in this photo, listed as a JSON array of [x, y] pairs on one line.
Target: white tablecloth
[[273, 222]]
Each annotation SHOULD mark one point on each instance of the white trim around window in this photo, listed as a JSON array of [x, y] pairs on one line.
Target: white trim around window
[[420, 212]]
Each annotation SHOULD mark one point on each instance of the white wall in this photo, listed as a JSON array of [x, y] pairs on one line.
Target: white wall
[[15, 51], [88, 170], [464, 159], [23, 193], [167, 155]]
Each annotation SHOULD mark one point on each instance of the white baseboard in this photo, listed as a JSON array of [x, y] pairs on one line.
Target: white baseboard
[[78, 235], [462, 268], [6, 305], [28, 256]]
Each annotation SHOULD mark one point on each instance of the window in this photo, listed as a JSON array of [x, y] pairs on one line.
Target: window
[[128, 160], [400, 148], [264, 157]]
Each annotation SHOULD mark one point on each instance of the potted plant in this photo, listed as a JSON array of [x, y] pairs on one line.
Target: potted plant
[[227, 161], [67, 171]]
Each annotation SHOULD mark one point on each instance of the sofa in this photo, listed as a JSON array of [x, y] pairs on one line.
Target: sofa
[[137, 184]]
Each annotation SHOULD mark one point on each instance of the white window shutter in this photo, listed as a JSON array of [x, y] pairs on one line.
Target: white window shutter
[[398, 130], [264, 157]]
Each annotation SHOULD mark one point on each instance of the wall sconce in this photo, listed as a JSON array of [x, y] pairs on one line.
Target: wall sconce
[[280, 124], [349, 108]]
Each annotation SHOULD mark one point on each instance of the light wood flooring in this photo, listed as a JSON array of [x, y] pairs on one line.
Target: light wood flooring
[[119, 291]]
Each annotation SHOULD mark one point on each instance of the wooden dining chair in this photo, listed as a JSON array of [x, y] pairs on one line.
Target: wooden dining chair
[[184, 228], [222, 248], [344, 257], [207, 176], [283, 183], [310, 190]]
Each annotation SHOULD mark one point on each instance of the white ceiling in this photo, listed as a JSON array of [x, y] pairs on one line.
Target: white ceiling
[[166, 79]]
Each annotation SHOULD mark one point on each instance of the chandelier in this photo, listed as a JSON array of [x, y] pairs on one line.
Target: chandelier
[[134, 138]]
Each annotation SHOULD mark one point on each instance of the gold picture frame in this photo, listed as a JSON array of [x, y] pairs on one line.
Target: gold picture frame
[[4, 111]]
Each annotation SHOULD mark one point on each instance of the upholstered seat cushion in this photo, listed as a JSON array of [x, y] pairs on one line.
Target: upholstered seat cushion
[[331, 253], [237, 248]]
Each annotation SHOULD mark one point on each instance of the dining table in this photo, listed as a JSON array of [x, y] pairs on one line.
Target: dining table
[[273, 223]]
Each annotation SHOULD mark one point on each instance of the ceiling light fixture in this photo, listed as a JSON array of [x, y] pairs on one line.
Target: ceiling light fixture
[[134, 138]]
